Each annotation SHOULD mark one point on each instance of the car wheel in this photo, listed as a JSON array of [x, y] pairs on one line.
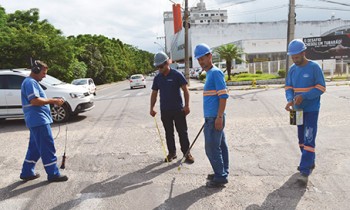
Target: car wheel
[[131, 87], [60, 114], [94, 93], [144, 86]]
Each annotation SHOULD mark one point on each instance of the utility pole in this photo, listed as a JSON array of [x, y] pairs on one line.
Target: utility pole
[[187, 69], [290, 30]]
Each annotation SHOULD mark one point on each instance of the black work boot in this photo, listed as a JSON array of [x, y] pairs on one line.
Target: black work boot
[[28, 178], [60, 178]]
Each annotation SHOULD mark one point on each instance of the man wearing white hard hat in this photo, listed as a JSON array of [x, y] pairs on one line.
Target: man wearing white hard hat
[[173, 112]]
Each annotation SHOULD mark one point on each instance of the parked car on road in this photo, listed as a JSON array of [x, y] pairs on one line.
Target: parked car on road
[[137, 80], [87, 83], [77, 99]]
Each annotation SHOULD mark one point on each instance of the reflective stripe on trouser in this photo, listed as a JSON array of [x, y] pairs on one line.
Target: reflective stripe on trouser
[[216, 149], [307, 135], [41, 145]]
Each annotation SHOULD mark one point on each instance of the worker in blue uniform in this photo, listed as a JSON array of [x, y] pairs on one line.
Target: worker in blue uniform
[[304, 85], [38, 118], [214, 103]]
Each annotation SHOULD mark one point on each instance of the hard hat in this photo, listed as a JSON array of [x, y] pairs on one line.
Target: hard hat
[[296, 46], [160, 58], [201, 50]]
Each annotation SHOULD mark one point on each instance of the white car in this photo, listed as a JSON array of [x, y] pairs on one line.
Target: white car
[[137, 80], [77, 99], [87, 83]]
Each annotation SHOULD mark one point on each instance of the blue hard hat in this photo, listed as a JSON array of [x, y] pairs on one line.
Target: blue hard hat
[[296, 46], [201, 50], [160, 58]]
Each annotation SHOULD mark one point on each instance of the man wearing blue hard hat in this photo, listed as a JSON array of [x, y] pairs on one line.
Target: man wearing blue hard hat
[[214, 103], [173, 111], [304, 85]]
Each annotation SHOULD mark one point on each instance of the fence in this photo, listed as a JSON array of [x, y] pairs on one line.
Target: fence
[[331, 68]]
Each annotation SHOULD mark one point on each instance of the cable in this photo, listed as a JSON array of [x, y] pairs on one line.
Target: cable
[[324, 8], [333, 2]]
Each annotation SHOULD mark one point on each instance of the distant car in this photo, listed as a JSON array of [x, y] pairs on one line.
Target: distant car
[[86, 83], [197, 73], [137, 80]]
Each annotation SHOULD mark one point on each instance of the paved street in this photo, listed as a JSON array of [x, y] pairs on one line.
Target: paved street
[[115, 157]]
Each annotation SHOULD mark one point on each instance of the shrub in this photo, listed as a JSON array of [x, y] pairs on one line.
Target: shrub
[[282, 73], [258, 72]]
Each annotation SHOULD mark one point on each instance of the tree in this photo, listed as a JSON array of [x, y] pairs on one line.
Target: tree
[[229, 52]]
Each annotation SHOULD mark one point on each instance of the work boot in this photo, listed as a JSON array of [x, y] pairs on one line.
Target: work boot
[[35, 176], [213, 184], [210, 177], [170, 157], [189, 158], [60, 178], [303, 178], [312, 168]]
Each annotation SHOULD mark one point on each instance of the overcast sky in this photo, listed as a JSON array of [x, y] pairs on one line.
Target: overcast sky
[[139, 23]]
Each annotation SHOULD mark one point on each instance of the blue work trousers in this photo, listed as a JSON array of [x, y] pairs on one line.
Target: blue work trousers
[[216, 149], [41, 145], [307, 135]]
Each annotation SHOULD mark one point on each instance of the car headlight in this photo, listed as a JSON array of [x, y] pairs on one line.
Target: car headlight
[[77, 95]]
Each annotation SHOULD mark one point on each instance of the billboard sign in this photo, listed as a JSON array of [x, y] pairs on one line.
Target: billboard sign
[[328, 47]]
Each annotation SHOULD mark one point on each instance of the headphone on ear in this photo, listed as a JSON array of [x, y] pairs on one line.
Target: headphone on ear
[[36, 67]]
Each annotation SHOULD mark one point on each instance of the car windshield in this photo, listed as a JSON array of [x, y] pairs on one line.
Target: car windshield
[[52, 80], [136, 77], [79, 82]]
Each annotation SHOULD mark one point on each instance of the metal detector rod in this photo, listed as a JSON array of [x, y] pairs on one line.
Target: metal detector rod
[[189, 149], [161, 139]]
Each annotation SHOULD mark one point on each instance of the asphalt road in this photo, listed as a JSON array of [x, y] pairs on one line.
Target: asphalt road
[[115, 157]]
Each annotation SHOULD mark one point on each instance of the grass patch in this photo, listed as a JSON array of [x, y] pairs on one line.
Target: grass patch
[[251, 77], [339, 78]]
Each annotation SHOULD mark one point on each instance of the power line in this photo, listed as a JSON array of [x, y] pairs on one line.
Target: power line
[[230, 4], [333, 2], [259, 10], [324, 8]]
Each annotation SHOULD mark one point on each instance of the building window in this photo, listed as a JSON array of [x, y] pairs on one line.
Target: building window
[[212, 14], [201, 21], [221, 14], [208, 21], [222, 20], [206, 15]]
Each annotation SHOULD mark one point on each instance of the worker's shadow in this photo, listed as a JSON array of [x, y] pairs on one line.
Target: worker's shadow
[[286, 197], [116, 185], [185, 200], [15, 189]]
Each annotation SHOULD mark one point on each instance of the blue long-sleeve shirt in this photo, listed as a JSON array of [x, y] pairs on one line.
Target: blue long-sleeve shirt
[[308, 81]]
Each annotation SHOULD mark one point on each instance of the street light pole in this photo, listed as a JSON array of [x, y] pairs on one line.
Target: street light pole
[[290, 30], [160, 46], [187, 71]]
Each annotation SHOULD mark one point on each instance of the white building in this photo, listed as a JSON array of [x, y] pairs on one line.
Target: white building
[[255, 38]]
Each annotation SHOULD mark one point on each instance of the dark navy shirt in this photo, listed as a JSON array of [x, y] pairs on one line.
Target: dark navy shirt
[[169, 88]]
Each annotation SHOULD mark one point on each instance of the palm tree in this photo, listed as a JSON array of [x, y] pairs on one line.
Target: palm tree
[[229, 52]]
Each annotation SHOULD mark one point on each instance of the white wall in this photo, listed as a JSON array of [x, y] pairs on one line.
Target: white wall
[[216, 35]]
